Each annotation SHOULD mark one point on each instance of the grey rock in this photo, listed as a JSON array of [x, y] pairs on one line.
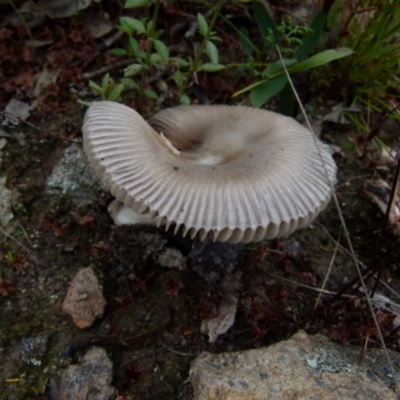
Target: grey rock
[[3, 143], [172, 258], [72, 175], [209, 259], [152, 243], [18, 109], [6, 213], [302, 367], [91, 380], [56, 8], [32, 349]]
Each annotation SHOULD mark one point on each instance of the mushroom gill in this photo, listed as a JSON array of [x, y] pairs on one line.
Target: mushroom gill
[[232, 173]]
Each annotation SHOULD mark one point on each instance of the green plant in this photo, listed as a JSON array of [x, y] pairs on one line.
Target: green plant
[[296, 42], [147, 53], [20, 208], [156, 55], [9, 256], [371, 77], [108, 90]]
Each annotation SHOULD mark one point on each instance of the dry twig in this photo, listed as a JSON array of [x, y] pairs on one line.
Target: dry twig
[[29, 252]]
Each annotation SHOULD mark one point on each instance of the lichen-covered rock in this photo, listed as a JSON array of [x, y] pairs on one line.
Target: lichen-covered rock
[[33, 348], [73, 176], [302, 368], [84, 300], [172, 258], [91, 380], [6, 213]]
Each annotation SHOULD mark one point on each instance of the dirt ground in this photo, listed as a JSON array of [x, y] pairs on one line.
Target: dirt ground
[[60, 224], [51, 237]]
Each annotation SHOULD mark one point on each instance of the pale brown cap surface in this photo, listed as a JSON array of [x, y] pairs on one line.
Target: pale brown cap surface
[[232, 173]]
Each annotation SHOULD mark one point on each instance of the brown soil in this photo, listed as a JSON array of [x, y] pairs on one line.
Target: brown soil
[[54, 234]]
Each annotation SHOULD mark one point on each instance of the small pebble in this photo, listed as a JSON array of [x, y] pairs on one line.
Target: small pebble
[[32, 349], [84, 300]]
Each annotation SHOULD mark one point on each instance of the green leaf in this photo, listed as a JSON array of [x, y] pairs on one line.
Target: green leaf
[[129, 83], [214, 38], [133, 44], [277, 67], [203, 26], [211, 67], [132, 70], [180, 61], [155, 60], [151, 94], [311, 41], [382, 51], [105, 82], [178, 78], [161, 49], [264, 21], [286, 101], [183, 99], [95, 87], [245, 41], [250, 87], [212, 52], [261, 93], [140, 54], [116, 92], [124, 27], [119, 52], [319, 59], [85, 103], [137, 3], [158, 34], [134, 24]]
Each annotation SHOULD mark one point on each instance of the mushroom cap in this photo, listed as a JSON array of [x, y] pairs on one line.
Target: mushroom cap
[[232, 173]]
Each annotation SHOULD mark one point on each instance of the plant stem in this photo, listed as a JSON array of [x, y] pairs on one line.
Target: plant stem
[[226, 20], [150, 42], [197, 60], [21, 18], [347, 23], [242, 65]]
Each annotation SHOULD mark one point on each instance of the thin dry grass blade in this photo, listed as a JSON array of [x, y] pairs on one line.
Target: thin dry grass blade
[[347, 236]]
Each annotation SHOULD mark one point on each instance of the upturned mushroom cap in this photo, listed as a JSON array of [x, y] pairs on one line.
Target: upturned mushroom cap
[[232, 173]]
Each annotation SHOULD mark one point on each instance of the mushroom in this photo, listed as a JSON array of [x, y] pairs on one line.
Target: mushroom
[[231, 173]]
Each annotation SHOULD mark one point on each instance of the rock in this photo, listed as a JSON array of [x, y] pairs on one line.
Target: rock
[[172, 258], [303, 367], [152, 243], [98, 24], [90, 380], [84, 300], [3, 143], [18, 109], [32, 349], [6, 213], [73, 176], [209, 259], [55, 8]]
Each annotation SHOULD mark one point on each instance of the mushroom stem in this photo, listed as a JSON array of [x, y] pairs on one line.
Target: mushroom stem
[[123, 215]]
